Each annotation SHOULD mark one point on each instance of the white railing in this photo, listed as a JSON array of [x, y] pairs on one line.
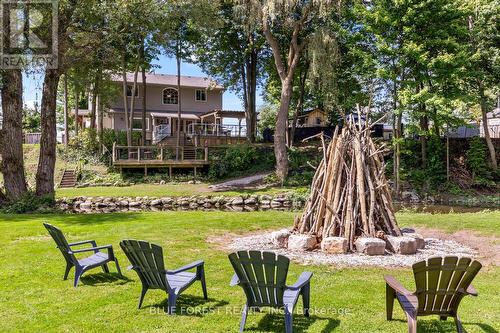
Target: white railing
[[216, 130], [160, 132]]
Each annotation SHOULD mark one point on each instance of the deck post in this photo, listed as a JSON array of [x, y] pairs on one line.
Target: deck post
[[161, 153], [206, 154], [195, 174], [145, 170], [113, 156], [138, 153], [170, 172]]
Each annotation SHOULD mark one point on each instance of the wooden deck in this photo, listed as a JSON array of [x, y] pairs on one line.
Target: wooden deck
[[144, 157]]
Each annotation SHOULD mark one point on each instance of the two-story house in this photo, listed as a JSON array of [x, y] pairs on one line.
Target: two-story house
[[201, 109]]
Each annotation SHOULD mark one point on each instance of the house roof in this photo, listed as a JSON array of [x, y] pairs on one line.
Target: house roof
[[174, 115], [171, 80], [305, 113]]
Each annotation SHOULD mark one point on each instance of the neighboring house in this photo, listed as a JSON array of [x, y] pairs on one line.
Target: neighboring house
[[312, 118], [493, 124], [201, 109]]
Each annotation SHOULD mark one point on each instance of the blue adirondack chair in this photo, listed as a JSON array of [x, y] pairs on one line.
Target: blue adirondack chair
[[262, 275], [147, 262], [98, 259]]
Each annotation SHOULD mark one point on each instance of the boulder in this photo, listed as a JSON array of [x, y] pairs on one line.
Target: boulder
[[280, 237], [276, 203], [251, 201], [334, 245], [86, 205], [123, 203], [402, 245], [237, 201], [193, 205], [134, 204], [370, 245], [167, 201], [156, 202], [418, 238], [300, 242]]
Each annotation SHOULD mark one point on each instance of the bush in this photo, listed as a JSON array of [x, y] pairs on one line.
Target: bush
[[233, 161], [477, 162], [29, 203]]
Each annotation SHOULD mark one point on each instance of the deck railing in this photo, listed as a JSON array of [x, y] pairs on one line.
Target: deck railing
[[158, 153], [160, 132], [216, 130]]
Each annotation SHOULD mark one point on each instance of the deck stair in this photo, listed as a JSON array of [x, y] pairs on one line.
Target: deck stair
[[68, 179]]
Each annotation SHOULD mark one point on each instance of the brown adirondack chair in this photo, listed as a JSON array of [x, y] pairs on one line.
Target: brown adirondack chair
[[441, 284]]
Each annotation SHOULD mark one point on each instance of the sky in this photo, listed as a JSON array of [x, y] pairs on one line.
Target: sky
[[166, 65]]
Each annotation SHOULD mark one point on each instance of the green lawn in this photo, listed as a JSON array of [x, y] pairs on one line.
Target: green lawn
[[141, 190], [35, 298]]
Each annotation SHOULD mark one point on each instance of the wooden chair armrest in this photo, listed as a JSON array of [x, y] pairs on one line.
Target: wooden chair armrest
[[304, 279], [396, 285], [472, 291], [187, 267], [235, 280], [94, 244]]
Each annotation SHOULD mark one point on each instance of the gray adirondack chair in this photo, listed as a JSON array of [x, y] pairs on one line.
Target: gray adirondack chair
[[262, 275], [441, 284], [98, 259], [147, 261]]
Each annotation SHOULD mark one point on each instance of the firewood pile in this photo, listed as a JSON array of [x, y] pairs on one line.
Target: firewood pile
[[350, 196]]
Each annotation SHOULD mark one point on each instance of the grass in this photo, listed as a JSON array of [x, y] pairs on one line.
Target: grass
[[141, 190], [35, 298]]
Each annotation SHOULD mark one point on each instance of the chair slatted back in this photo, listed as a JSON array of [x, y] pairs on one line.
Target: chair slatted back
[[61, 242], [147, 259], [262, 276], [442, 282]]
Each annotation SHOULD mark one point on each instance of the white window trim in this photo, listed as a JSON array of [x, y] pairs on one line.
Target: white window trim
[[147, 124], [163, 100], [131, 88], [199, 100]]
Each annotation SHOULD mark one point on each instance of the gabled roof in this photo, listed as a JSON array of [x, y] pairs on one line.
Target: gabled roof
[[171, 80]]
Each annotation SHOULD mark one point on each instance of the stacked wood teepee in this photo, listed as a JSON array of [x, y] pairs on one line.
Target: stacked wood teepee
[[350, 196]]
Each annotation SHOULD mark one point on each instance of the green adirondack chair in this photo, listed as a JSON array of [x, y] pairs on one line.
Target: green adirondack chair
[[147, 262], [98, 259], [441, 284], [262, 275]]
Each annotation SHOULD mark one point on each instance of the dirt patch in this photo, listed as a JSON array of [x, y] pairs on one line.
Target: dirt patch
[[487, 248]]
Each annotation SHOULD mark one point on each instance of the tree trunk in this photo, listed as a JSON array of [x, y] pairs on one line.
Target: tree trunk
[[144, 91], [11, 135], [47, 159], [125, 99], [132, 102], [77, 98], [251, 79], [66, 129], [489, 143], [245, 85], [280, 149], [100, 123], [424, 127], [179, 108], [93, 105]]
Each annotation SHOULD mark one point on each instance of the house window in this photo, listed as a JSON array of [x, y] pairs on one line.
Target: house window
[[129, 91], [137, 124], [318, 121], [170, 96], [201, 95]]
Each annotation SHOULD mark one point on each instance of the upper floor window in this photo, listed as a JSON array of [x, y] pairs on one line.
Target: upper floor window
[[129, 91], [170, 96], [201, 95]]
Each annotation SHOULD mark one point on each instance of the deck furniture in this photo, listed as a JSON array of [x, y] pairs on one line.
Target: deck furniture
[[98, 259], [441, 284], [147, 261], [262, 275]]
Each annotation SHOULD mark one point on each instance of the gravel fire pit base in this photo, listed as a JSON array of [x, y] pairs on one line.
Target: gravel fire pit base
[[433, 247]]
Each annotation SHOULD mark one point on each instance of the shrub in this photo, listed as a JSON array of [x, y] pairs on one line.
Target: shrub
[[233, 161], [477, 161], [28, 203]]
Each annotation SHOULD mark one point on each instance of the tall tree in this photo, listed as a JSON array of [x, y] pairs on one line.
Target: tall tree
[[483, 77], [286, 25], [11, 134]]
